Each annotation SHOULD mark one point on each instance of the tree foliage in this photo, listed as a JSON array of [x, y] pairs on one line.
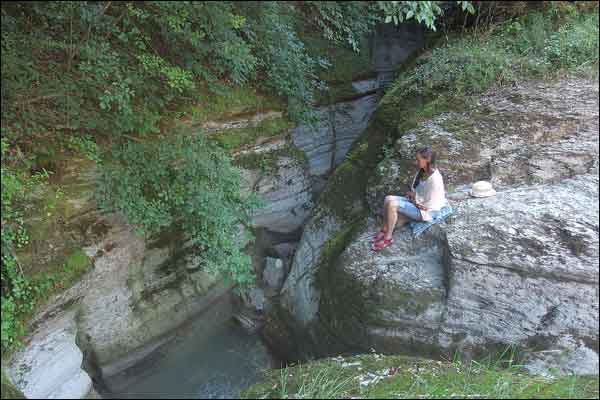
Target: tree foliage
[[17, 291], [425, 12], [188, 183], [114, 67]]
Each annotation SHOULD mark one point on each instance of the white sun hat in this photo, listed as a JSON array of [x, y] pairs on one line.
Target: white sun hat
[[482, 189]]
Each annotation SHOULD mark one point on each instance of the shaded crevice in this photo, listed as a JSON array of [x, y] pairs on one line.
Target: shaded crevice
[[90, 362]]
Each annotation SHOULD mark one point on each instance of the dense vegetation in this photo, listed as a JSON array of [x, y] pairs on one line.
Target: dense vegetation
[[556, 39], [196, 189], [539, 44]]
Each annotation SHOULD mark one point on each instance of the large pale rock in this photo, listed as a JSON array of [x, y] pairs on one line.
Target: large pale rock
[[397, 295], [287, 194], [136, 295], [530, 134], [524, 264], [51, 367], [512, 269], [327, 142], [520, 268], [299, 295]]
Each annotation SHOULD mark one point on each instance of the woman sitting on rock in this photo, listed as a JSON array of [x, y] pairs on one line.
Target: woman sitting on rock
[[426, 197]]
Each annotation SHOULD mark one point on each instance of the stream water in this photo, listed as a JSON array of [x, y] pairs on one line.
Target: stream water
[[210, 357]]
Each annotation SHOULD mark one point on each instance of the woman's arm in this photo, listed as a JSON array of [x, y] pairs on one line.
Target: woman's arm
[[411, 195]]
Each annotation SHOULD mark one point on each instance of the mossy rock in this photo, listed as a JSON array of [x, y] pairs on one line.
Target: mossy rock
[[231, 102], [9, 391], [232, 139], [63, 218], [267, 161]]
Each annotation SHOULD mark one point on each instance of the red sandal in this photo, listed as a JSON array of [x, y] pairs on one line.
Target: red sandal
[[382, 244], [379, 236]]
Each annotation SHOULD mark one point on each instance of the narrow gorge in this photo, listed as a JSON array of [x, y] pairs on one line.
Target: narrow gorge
[[141, 299], [517, 270]]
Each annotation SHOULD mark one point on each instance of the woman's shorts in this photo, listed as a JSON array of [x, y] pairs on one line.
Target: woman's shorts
[[405, 207]]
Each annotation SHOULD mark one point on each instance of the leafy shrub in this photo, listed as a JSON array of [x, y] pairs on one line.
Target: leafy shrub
[[17, 292], [113, 68], [189, 183], [85, 145], [575, 44], [460, 68], [536, 44], [290, 71], [542, 42]]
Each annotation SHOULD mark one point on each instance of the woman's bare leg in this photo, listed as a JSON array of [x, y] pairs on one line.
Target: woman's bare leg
[[391, 213], [392, 219], [387, 202]]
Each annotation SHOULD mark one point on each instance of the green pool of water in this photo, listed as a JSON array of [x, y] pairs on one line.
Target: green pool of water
[[210, 357]]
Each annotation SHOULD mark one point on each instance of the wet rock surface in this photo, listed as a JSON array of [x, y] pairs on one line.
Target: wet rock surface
[[289, 185], [273, 275], [287, 194]]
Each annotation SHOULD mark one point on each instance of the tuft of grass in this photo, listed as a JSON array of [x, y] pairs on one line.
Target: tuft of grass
[[408, 377]]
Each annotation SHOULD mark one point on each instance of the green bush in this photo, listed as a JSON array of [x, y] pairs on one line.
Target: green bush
[[537, 44], [575, 44], [187, 182], [17, 292], [545, 42], [111, 68], [461, 68]]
